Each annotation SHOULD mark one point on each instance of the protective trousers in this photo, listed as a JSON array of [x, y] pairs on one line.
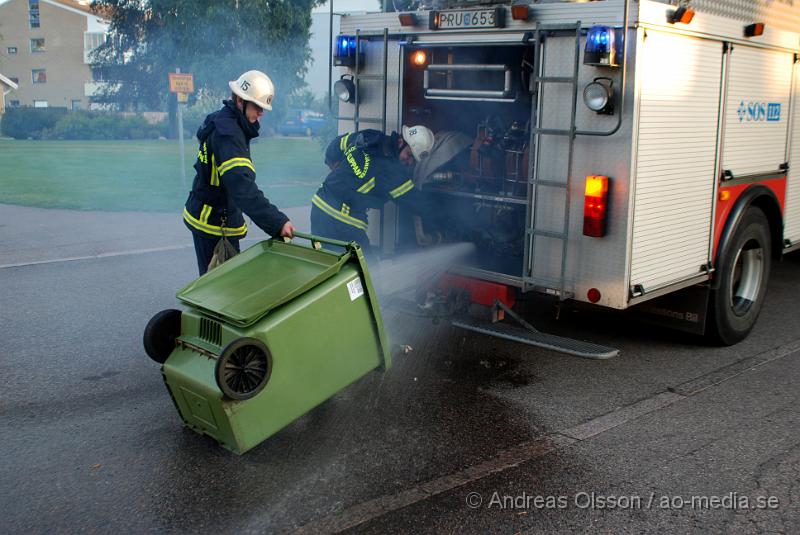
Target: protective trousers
[[204, 249]]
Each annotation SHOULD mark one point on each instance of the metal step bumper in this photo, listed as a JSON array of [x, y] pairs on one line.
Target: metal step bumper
[[568, 346]]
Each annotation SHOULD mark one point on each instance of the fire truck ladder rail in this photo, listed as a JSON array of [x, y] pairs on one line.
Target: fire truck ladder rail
[[531, 280], [529, 335], [358, 78], [554, 132]]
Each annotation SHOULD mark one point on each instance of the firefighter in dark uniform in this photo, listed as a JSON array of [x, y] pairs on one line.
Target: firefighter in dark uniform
[[368, 168], [225, 183]]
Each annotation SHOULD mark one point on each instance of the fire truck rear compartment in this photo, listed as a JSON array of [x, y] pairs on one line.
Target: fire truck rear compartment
[[481, 194]]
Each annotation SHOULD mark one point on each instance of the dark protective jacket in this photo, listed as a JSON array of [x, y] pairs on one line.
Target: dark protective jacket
[[364, 178], [225, 183], [372, 141]]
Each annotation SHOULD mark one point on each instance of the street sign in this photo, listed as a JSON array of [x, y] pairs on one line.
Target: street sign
[[181, 83]]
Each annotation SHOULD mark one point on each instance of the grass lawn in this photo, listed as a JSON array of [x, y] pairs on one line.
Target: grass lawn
[[143, 175]]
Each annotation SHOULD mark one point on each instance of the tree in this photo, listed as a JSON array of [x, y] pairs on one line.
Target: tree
[[215, 40], [399, 5]]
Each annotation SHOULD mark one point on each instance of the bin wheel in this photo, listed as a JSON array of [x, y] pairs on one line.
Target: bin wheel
[[160, 334], [743, 271], [243, 368]]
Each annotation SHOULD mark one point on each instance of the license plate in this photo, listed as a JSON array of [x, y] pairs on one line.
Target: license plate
[[477, 18]]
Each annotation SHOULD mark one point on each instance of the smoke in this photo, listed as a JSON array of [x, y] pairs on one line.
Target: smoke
[[215, 41], [412, 271], [396, 282]]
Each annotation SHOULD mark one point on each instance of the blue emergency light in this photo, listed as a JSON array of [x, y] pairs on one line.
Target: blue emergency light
[[601, 47], [345, 55], [346, 43]]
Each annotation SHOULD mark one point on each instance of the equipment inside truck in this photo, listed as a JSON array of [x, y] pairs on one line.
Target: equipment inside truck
[[475, 97]]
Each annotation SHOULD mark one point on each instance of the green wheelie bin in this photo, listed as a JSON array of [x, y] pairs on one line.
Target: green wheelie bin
[[266, 337]]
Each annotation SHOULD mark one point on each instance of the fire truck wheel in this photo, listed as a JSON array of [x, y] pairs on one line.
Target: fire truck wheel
[[160, 334], [743, 271]]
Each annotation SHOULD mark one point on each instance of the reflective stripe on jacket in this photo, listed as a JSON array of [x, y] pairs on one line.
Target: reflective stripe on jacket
[[340, 214], [224, 185], [362, 180]]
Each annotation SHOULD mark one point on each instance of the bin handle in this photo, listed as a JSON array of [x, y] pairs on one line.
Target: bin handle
[[320, 239]]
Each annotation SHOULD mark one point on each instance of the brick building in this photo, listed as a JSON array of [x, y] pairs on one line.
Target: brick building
[[45, 47]]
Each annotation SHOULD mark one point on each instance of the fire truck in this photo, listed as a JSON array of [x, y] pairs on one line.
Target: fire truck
[[622, 153]]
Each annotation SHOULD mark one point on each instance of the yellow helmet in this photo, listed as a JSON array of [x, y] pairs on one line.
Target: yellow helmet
[[255, 87]]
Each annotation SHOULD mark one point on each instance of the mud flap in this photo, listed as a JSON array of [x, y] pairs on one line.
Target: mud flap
[[685, 310]]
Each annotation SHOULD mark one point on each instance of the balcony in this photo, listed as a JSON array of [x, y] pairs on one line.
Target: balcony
[[93, 89]]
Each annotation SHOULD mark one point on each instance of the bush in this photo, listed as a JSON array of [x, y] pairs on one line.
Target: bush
[[328, 131], [24, 123], [193, 117], [102, 125], [57, 123]]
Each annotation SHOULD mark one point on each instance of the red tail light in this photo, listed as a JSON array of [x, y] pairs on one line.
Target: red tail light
[[595, 206], [519, 12], [683, 15], [407, 19], [754, 30]]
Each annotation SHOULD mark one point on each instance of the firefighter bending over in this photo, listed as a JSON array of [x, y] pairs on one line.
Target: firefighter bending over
[[368, 168], [225, 183]]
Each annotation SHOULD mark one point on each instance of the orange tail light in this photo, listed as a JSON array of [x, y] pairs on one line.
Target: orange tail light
[[595, 206]]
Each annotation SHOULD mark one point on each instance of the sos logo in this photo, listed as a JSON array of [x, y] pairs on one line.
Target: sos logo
[[759, 111]]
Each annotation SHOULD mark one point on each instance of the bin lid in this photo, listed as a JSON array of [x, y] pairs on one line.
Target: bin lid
[[246, 287]]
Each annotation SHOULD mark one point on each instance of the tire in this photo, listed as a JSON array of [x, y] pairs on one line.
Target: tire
[[744, 272], [243, 368], [160, 334]]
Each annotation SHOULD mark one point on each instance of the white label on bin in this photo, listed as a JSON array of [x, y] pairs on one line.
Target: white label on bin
[[355, 289]]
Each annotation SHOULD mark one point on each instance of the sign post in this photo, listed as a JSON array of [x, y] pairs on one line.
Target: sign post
[[182, 84]]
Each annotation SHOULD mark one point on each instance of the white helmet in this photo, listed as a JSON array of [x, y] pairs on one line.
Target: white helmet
[[419, 139], [255, 87]]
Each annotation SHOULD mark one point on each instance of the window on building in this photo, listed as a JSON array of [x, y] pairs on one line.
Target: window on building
[[98, 74], [37, 44], [91, 41], [39, 76], [76, 104], [40, 104], [11, 50], [33, 13], [13, 104], [14, 79]]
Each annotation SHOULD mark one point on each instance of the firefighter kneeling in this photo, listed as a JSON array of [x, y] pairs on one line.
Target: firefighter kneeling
[[368, 168]]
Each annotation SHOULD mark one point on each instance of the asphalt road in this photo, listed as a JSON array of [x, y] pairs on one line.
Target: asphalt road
[[464, 434]]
